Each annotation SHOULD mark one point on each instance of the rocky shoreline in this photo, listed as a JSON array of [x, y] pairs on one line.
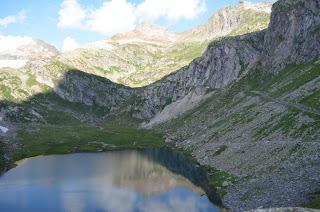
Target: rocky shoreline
[[248, 109], [286, 183]]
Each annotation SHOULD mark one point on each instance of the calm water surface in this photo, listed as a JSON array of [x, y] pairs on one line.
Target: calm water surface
[[148, 180]]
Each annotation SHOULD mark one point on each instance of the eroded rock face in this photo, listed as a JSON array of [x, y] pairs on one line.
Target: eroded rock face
[[296, 22], [88, 89], [232, 20], [292, 37], [221, 64], [293, 34]]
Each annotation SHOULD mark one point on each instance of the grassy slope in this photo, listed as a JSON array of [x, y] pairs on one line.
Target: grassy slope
[[219, 119], [314, 202], [141, 64], [278, 87], [74, 136], [60, 130]]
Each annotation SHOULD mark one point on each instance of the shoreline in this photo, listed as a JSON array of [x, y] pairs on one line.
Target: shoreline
[[210, 191], [216, 178]]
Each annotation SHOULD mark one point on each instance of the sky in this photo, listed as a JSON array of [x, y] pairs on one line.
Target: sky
[[69, 23]]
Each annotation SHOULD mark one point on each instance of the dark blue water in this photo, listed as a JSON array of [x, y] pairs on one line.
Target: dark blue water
[[113, 181]]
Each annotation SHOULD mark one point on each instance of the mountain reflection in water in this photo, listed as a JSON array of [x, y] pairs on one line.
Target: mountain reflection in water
[[148, 180]]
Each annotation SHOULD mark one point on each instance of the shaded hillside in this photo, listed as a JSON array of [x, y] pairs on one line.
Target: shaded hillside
[[248, 108], [48, 124], [263, 129]]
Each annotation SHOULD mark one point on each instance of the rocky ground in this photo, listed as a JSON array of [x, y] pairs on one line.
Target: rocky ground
[[271, 144], [250, 110]]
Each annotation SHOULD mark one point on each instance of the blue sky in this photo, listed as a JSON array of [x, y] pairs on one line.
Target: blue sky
[[90, 20]]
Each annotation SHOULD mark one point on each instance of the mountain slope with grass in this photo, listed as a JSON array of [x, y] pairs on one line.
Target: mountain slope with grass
[[262, 127], [248, 109], [150, 52]]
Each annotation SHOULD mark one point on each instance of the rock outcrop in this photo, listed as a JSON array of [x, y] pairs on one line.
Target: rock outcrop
[[222, 63], [246, 17], [90, 90], [235, 108], [293, 34], [296, 22]]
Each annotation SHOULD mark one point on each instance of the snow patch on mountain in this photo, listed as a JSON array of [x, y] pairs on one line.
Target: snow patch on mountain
[[16, 51]]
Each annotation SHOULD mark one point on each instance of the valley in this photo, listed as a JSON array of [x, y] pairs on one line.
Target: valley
[[243, 100]]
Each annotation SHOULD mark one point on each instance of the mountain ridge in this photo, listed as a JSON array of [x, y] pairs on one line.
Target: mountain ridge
[[140, 61], [244, 121]]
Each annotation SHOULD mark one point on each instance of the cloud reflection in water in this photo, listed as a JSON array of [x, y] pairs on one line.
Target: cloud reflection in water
[[121, 181]]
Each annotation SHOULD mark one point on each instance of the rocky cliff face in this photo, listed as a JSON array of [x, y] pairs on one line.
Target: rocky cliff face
[[263, 125], [235, 109], [91, 90], [246, 17], [293, 34], [296, 22], [204, 74]]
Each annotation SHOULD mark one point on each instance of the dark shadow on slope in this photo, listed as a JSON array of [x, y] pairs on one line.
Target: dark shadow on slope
[[85, 98]]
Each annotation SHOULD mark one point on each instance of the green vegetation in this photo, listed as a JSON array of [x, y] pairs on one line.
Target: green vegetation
[[187, 52], [314, 202], [114, 69], [254, 192], [31, 81], [221, 149], [60, 103], [70, 135], [286, 81], [312, 100], [57, 126], [252, 21], [296, 76], [168, 102], [5, 92], [102, 70], [286, 123], [219, 178], [295, 149]]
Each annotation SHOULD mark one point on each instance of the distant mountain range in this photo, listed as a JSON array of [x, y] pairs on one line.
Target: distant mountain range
[[240, 94], [149, 52]]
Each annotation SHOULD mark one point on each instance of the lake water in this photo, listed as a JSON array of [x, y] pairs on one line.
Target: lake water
[[146, 180]]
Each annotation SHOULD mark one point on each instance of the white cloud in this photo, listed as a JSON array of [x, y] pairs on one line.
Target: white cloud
[[116, 16], [13, 42], [4, 22], [9, 45], [113, 16], [151, 10], [69, 44], [71, 14]]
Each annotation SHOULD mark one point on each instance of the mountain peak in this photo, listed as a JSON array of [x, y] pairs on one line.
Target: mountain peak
[[146, 32], [232, 20], [149, 27]]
